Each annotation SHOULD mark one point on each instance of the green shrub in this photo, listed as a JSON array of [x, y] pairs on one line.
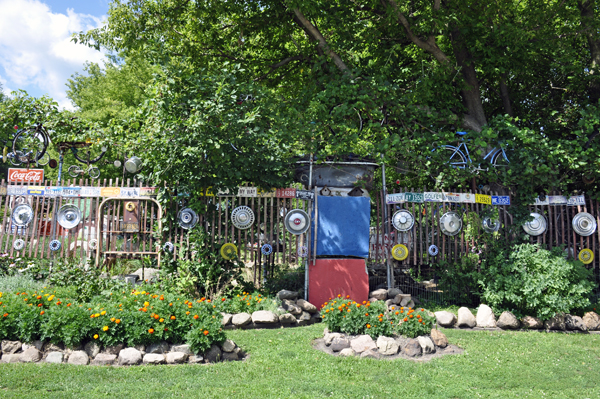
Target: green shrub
[[247, 303], [528, 280], [459, 280], [18, 283]]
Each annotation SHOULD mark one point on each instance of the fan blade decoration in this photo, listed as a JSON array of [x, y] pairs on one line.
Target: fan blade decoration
[[584, 224], [537, 226], [242, 217], [68, 216], [433, 250], [187, 218], [586, 256], [22, 215], [403, 220], [296, 221], [228, 251], [400, 252], [490, 225], [450, 223]]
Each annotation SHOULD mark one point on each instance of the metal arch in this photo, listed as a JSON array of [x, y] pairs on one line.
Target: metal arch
[[100, 237]]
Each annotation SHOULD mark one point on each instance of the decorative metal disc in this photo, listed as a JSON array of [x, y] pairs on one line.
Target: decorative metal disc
[[169, 247], [584, 224], [400, 252], [187, 218], [537, 226], [228, 251], [450, 223], [586, 256], [242, 217], [22, 215], [266, 249], [93, 243], [68, 216], [296, 221], [403, 220], [490, 225], [303, 251], [433, 250], [54, 245], [18, 244]]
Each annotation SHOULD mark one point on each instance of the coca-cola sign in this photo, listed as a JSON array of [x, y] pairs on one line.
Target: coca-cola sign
[[25, 175]]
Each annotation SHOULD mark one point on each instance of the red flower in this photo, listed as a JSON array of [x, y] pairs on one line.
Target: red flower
[[397, 181]]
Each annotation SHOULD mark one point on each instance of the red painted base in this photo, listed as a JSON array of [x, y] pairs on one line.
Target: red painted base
[[330, 277]]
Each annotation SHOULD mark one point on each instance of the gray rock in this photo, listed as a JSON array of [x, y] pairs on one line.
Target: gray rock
[[575, 323], [226, 319], [287, 318], [129, 357], [307, 306], [369, 354], [426, 344], [37, 344], [214, 354], [406, 300], [445, 318], [305, 316], [387, 346], [533, 323], [339, 343], [592, 321], [230, 356], [228, 346], [264, 317], [30, 355], [10, 347], [556, 323], [285, 294], [79, 358], [380, 294], [362, 343], [184, 348], [373, 299], [292, 308], [241, 319], [161, 347], [50, 347], [412, 348], [55, 357], [10, 358], [394, 292], [316, 317], [113, 349], [485, 317], [149, 274], [389, 303], [176, 357], [329, 337], [347, 352], [92, 349], [508, 321], [140, 347], [195, 359], [104, 359], [411, 304], [154, 358], [439, 338], [465, 318]]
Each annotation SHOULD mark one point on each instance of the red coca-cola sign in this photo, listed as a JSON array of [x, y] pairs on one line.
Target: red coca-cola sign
[[25, 175]]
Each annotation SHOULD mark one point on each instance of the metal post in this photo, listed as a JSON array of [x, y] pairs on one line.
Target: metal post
[[307, 260], [60, 165], [386, 226]]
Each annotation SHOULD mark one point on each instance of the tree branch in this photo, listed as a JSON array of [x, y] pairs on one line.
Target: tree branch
[[280, 64]]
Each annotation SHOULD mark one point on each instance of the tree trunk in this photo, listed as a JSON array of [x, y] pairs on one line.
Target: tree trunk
[[586, 9]]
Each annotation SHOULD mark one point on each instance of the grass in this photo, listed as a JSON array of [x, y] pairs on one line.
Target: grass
[[282, 364]]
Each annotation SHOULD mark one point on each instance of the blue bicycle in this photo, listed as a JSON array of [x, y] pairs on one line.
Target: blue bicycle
[[459, 157]]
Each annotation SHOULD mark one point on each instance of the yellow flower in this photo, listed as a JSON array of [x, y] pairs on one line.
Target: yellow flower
[[103, 312], [105, 328], [51, 297], [97, 315], [95, 336], [112, 319], [161, 320], [146, 304]]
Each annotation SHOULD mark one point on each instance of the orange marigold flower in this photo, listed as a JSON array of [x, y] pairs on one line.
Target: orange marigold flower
[[151, 330], [223, 299], [188, 312], [91, 316], [202, 299], [326, 310], [406, 319], [103, 313], [39, 305], [42, 312], [368, 326], [118, 321], [339, 296], [105, 328], [95, 336], [171, 304], [58, 303], [161, 320], [172, 317], [358, 305], [156, 317], [347, 296], [397, 313], [348, 310], [68, 304], [364, 302], [195, 317], [205, 332], [411, 316], [112, 319], [38, 297], [5, 315], [144, 310], [366, 314], [422, 310]]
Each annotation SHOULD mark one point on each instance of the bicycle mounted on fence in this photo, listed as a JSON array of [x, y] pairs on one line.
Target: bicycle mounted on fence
[[459, 157], [29, 146], [88, 158]]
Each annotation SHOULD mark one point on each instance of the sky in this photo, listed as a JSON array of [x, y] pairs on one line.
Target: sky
[[36, 52]]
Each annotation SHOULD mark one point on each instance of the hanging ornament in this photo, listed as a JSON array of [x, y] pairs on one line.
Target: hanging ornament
[[537, 226], [296, 221], [584, 224], [266, 249], [400, 252], [586, 256], [433, 250], [403, 220], [228, 251], [242, 217], [450, 223]]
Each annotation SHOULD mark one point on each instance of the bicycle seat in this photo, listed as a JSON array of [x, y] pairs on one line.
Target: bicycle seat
[[461, 133]]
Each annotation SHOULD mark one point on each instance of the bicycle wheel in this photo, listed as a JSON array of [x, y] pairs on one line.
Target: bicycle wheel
[[499, 158], [44, 160], [94, 172], [344, 118], [31, 143], [91, 154], [455, 157], [74, 170], [14, 158]]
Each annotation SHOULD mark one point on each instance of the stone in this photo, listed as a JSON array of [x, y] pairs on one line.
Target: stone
[[230, 356], [574, 323], [411, 304], [556, 323], [161, 347], [10, 358], [438, 338], [241, 319], [406, 299], [264, 317], [412, 348], [141, 348], [92, 349], [50, 347], [285, 294], [369, 354], [214, 354], [54, 357], [315, 317], [347, 352], [362, 343], [287, 318], [394, 292], [508, 321], [307, 306], [149, 274], [129, 357], [154, 358], [426, 344], [79, 358], [373, 299], [37, 344], [532, 322], [195, 359], [329, 337], [104, 359], [305, 316], [226, 319], [445, 318], [339, 343], [485, 317], [30, 355], [176, 357], [10, 347], [387, 346], [185, 348], [465, 318], [380, 294], [292, 308], [591, 320], [389, 303], [228, 346], [113, 349]]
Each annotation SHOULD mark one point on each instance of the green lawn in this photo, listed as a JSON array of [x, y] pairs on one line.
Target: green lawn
[[282, 364]]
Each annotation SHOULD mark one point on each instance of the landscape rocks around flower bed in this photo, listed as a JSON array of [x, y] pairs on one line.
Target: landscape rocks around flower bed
[[392, 297], [118, 355], [293, 312], [363, 346]]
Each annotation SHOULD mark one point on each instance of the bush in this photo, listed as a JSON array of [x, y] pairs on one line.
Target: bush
[[460, 280], [247, 303], [533, 281]]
